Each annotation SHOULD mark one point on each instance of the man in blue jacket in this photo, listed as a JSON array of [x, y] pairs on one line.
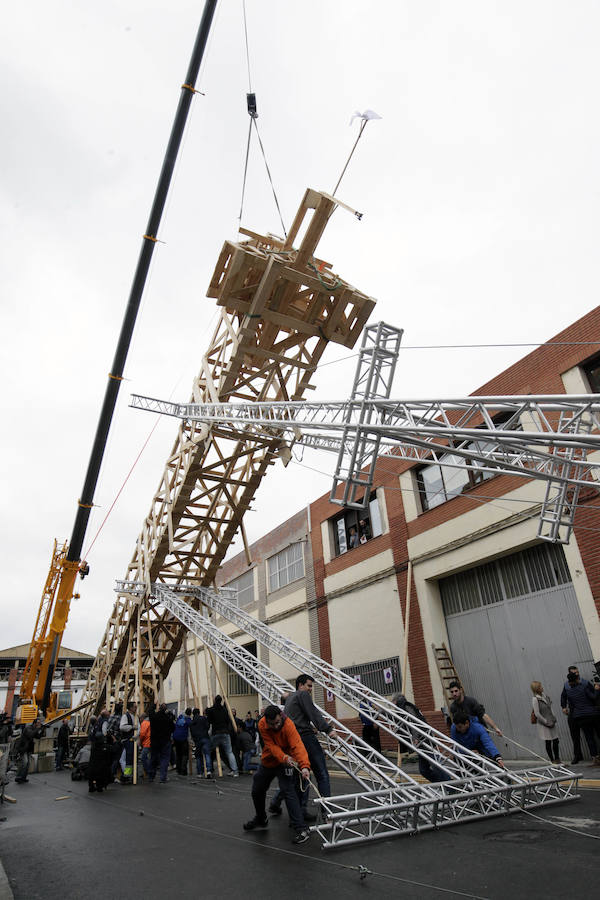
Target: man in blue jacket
[[469, 733]]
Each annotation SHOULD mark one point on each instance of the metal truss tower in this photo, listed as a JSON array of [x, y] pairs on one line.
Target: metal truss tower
[[542, 437]]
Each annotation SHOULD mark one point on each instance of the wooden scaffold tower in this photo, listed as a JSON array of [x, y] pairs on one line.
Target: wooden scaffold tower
[[280, 307]]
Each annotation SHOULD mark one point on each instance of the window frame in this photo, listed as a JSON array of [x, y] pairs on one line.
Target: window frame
[[288, 568], [591, 370], [348, 518]]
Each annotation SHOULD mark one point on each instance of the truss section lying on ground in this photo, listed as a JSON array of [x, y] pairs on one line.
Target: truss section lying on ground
[[543, 437], [280, 307], [358, 818], [393, 809], [358, 759]]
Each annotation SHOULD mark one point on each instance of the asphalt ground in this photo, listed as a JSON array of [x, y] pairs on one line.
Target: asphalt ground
[[185, 838]]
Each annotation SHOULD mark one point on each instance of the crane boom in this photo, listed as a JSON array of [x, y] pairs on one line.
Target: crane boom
[[43, 652]]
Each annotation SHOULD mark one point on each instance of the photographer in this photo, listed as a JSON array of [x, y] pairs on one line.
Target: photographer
[[579, 702]]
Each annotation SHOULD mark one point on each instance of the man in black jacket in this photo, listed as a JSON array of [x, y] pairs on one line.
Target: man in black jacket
[[62, 744], [469, 705], [220, 723], [202, 744], [161, 729], [25, 747]]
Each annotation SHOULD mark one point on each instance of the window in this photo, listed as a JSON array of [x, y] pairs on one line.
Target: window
[[244, 585], [286, 566], [236, 685], [592, 371], [439, 482], [356, 526], [382, 675], [536, 569]]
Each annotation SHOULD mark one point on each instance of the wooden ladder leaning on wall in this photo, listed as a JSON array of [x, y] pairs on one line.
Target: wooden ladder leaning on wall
[[446, 669]]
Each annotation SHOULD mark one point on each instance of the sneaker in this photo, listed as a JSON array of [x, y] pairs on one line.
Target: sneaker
[[256, 824], [209, 775], [275, 810], [301, 836], [576, 759], [234, 774]]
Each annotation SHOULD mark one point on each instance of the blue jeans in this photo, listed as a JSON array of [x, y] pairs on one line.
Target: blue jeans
[[289, 787], [145, 760], [160, 755], [203, 748], [61, 752], [431, 772], [223, 741], [317, 764], [247, 764]]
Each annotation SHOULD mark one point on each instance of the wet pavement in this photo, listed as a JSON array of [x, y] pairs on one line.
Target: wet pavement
[[186, 838]]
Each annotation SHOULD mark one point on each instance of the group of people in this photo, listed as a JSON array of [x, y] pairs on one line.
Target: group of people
[[470, 725]]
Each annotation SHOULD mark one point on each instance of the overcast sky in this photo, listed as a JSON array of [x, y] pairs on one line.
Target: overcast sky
[[479, 188]]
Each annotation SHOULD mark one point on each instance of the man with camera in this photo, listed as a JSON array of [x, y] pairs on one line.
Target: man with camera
[[579, 701]]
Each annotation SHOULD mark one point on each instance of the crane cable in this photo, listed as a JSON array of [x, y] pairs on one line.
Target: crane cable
[[252, 112]]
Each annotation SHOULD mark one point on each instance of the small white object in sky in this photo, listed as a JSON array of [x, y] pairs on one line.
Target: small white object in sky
[[366, 115]]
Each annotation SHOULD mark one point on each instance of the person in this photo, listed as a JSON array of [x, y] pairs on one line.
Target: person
[[471, 734], [300, 708], [218, 717], [202, 743], [180, 739], [427, 768], [250, 726], [235, 740], [370, 729], [25, 746], [546, 720], [113, 727], [62, 744], [5, 728], [144, 739], [353, 538], [283, 752], [364, 531], [470, 706], [578, 699], [247, 750], [127, 734], [574, 725], [161, 729], [101, 760], [81, 763], [101, 724]]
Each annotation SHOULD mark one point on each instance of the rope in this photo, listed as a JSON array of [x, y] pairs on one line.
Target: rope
[[247, 48], [330, 287], [270, 179], [245, 170], [362, 128]]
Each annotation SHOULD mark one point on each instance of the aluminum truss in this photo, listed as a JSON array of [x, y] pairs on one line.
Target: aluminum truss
[[362, 762], [395, 809], [539, 437], [373, 380]]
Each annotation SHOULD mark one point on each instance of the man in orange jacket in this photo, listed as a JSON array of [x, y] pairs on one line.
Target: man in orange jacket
[[283, 752]]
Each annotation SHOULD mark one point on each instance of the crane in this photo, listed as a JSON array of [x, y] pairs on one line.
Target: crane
[[66, 563]]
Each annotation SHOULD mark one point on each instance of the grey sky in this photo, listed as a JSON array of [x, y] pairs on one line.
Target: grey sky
[[479, 189]]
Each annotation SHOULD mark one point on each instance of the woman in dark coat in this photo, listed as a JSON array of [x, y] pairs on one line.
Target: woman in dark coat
[[99, 772]]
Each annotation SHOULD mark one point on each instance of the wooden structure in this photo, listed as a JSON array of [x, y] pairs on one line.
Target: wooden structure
[[280, 307]]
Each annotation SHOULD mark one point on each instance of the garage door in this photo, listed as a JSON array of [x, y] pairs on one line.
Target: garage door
[[510, 622]]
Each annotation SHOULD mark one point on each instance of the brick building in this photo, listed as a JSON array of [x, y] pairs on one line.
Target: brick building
[[511, 608]]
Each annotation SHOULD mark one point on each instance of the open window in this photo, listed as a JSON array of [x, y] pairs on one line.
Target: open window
[[354, 527]]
